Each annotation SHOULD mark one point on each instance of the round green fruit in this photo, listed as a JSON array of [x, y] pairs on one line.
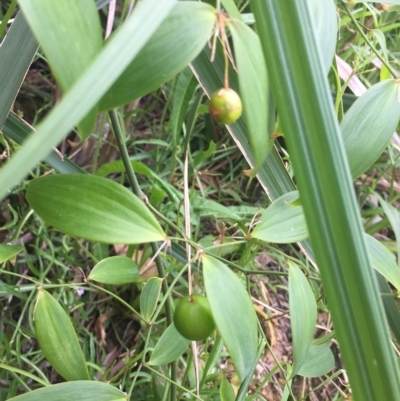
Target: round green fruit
[[193, 318], [225, 106]]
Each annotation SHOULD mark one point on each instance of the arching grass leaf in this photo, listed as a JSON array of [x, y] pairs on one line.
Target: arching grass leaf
[[177, 41], [57, 338], [93, 208], [53, 22], [233, 313]]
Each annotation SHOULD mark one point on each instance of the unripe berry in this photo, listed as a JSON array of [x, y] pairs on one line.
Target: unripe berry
[[193, 318], [225, 106]]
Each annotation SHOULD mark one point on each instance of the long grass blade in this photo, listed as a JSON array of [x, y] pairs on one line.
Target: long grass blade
[[312, 132]]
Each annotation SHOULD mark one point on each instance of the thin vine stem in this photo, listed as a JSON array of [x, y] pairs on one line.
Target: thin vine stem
[[119, 136], [392, 71]]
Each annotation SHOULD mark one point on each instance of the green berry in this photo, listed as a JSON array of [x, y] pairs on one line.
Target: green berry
[[225, 106], [193, 318]]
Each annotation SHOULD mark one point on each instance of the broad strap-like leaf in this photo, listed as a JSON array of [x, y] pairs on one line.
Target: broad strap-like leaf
[[85, 390], [303, 315], [312, 134], [177, 41], [170, 346], [369, 124], [115, 270], [253, 83], [70, 35], [233, 314], [57, 338], [93, 208]]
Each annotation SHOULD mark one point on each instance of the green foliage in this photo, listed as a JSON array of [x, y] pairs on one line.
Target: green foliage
[[102, 210], [57, 338], [182, 212]]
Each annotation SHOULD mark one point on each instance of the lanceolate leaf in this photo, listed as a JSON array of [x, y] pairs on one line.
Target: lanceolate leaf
[[115, 270], [369, 124], [169, 347], [233, 313], [86, 390], [9, 251], [383, 261], [70, 35], [303, 315], [319, 361], [178, 41], [58, 340], [282, 222], [149, 297], [93, 208], [253, 83]]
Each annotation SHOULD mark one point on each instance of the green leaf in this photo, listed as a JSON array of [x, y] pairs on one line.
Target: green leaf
[[16, 54], [393, 216], [178, 40], [93, 208], [57, 338], [369, 124], [149, 297], [9, 251], [233, 313], [304, 102], [281, 222], [77, 391], [169, 347], [52, 23], [115, 270], [183, 93], [83, 96], [303, 315], [253, 83], [326, 29], [383, 260], [19, 130], [231, 8], [208, 207], [319, 361], [226, 391]]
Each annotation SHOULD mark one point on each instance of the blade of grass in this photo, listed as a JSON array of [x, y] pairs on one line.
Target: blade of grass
[[323, 176]]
